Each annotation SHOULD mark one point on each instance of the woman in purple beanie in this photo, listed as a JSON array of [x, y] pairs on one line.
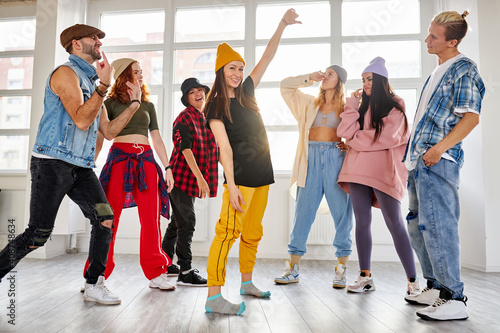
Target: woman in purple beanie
[[373, 172]]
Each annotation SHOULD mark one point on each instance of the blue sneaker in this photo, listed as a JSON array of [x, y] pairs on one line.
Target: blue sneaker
[[291, 275], [339, 280]]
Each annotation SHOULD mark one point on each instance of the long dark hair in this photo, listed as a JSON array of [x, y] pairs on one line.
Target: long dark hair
[[381, 102], [219, 97]]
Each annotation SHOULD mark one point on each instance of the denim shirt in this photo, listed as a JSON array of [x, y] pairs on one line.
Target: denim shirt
[[460, 87], [58, 136]]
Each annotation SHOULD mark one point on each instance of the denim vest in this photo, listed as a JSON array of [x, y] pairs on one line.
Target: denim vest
[[58, 135]]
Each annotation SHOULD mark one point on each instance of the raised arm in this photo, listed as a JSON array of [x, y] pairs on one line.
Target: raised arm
[[226, 159], [110, 129], [66, 85], [288, 19], [293, 97]]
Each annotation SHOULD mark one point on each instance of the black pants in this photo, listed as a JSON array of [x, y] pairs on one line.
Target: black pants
[[51, 180], [179, 234]]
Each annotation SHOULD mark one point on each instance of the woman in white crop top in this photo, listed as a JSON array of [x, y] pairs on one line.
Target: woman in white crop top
[[318, 160]]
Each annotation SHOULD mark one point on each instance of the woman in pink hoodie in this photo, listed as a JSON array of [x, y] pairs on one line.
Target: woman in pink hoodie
[[377, 132]]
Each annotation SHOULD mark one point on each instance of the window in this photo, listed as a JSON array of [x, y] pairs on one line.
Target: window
[[17, 42], [139, 35], [349, 33]]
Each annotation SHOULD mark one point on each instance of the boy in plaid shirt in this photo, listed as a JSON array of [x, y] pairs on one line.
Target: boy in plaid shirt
[[194, 164]]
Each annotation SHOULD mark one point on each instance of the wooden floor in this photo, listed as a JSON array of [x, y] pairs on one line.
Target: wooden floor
[[48, 299]]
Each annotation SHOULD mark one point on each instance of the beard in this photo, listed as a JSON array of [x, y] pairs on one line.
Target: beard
[[90, 50]]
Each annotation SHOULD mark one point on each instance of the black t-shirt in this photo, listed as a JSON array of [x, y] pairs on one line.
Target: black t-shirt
[[248, 138]]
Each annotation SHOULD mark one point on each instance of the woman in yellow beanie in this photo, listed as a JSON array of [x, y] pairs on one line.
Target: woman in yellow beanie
[[234, 118]]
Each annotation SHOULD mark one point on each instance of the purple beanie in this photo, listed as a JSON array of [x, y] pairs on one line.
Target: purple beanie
[[377, 66]]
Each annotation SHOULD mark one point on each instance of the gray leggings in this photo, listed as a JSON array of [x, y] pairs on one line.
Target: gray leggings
[[361, 197]]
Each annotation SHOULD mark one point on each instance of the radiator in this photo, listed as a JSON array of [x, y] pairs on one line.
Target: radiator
[[322, 230]]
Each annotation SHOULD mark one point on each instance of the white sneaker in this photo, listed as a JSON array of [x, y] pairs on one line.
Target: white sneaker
[[362, 284], [160, 282], [445, 309], [413, 289], [339, 281], [99, 293], [426, 297], [291, 275]]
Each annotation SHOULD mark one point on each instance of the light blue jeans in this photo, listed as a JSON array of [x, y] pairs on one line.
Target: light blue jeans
[[323, 166], [433, 223]]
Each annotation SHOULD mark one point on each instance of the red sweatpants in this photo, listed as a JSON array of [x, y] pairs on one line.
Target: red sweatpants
[[153, 260]]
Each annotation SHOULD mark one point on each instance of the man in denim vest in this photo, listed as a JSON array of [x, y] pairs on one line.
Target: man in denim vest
[[448, 110], [64, 152]]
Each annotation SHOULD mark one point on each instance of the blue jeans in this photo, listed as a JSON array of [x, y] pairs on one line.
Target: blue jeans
[[323, 166], [51, 180], [433, 223]]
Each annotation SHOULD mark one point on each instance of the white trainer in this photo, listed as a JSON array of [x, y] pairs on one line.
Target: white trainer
[[426, 297], [445, 309], [362, 284], [413, 289], [161, 282], [99, 293], [339, 281], [291, 275]]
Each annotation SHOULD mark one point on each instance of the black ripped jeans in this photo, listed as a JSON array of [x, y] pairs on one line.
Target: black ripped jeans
[[51, 180]]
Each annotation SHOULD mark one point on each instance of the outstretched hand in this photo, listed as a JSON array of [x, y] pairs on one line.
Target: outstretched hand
[[104, 70], [290, 17]]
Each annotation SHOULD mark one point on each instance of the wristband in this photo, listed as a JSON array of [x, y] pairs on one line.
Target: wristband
[[104, 84], [135, 100], [168, 167], [284, 21], [101, 93]]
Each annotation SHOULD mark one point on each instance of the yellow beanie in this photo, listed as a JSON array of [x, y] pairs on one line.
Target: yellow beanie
[[226, 54]]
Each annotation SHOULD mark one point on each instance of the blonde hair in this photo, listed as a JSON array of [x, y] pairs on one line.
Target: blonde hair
[[338, 98], [455, 24]]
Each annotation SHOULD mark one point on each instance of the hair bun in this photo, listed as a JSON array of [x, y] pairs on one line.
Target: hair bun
[[464, 14]]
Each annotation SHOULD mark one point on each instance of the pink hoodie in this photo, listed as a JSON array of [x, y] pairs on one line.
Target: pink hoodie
[[375, 164]]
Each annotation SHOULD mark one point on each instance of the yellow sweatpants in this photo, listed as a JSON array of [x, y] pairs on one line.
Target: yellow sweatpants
[[229, 227]]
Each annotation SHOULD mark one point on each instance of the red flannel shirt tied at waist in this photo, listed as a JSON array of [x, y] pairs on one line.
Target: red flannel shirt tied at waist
[[190, 132], [132, 176]]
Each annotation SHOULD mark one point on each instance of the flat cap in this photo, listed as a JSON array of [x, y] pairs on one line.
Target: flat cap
[[78, 31]]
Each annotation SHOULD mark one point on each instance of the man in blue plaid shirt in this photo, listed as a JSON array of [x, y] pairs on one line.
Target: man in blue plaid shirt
[[448, 110]]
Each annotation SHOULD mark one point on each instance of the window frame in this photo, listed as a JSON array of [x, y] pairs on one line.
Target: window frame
[[16, 13], [167, 91]]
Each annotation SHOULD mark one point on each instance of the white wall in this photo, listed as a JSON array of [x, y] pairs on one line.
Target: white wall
[[489, 49]]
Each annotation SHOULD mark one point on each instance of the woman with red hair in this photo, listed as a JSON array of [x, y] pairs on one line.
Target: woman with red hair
[[131, 176]]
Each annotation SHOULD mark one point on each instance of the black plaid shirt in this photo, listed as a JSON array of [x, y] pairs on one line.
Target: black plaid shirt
[[190, 132]]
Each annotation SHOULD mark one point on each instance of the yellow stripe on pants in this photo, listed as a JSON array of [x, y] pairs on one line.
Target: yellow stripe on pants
[[229, 227]]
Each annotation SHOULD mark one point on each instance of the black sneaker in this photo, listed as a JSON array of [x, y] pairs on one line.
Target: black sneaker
[[173, 270], [191, 279]]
